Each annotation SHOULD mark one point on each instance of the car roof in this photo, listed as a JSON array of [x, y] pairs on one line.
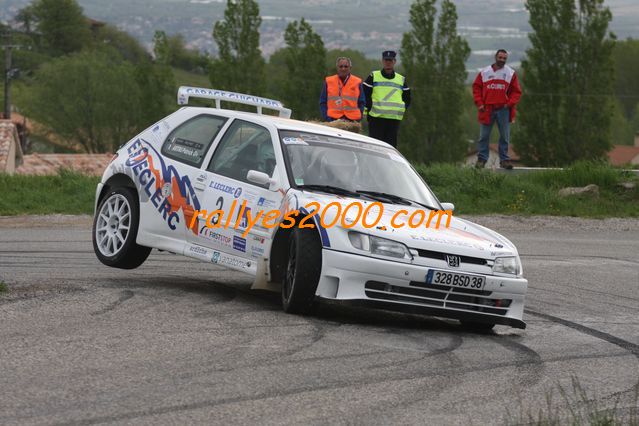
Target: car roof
[[290, 124]]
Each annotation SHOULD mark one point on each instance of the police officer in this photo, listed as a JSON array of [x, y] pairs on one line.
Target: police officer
[[387, 97]]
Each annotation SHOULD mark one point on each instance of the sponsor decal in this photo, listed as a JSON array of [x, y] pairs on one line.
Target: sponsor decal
[[294, 141], [244, 219], [166, 189], [199, 252], [257, 251], [224, 259], [162, 184], [229, 96], [188, 143], [194, 154], [266, 203], [159, 130], [249, 196], [228, 189], [446, 241], [239, 243], [256, 247], [496, 86], [210, 234]]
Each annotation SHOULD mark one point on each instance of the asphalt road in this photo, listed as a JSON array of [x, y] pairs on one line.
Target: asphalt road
[[177, 341]]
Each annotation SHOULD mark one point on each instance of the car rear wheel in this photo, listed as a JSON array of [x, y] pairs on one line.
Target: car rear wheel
[[115, 229], [302, 271]]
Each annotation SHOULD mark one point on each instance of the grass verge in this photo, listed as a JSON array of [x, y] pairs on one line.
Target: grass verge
[[537, 193], [67, 192], [576, 407], [472, 191], [3, 287]]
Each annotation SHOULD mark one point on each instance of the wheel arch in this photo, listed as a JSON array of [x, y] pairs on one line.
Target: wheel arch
[[115, 181]]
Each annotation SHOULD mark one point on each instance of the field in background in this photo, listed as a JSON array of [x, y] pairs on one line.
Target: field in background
[[472, 191]]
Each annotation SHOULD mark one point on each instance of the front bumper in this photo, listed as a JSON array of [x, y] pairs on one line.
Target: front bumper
[[364, 280]]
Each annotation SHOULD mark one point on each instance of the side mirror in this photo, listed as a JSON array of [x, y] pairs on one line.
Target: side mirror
[[260, 178], [448, 206]]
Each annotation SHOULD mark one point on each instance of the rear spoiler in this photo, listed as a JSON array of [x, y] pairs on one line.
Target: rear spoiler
[[186, 92]]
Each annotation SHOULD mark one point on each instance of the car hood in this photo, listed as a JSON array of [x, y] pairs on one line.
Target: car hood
[[461, 237]]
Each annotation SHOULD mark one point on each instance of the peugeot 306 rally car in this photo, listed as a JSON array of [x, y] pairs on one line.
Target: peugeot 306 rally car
[[162, 187]]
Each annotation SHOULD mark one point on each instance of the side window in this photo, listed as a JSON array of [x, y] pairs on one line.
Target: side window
[[189, 142], [245, 146]]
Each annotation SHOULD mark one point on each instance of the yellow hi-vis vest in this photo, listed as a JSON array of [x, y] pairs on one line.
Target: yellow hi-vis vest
[[387, 97]]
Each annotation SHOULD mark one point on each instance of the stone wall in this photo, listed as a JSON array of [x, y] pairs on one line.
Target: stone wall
[[10, 150]]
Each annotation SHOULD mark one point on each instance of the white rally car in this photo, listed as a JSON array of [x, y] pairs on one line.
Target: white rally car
[[194, 182]]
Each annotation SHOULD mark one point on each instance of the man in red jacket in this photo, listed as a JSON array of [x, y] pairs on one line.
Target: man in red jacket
[[496, 92]]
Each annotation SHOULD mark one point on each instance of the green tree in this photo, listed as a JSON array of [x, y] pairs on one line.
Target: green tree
[[172, 50], [239, 66], [626, 60], [25, 17], [566, 108], [157, 89], [304, 58], [362, 66], [161, 48], [129, 47], [434, 57], [89, 98], [62, 26]]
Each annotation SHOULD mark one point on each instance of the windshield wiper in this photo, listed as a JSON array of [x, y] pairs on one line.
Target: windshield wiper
[[331, 190], [395, 198]]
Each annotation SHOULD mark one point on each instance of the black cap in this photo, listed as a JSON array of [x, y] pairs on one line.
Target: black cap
[[389, 54]]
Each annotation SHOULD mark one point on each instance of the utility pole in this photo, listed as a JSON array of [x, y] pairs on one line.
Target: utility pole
[[7, 82], [9, 73]]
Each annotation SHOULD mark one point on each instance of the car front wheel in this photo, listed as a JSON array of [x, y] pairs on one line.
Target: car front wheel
[[115, 229], [302, 271]]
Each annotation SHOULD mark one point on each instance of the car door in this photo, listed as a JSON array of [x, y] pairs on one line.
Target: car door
[[232, 201], [168, 176]]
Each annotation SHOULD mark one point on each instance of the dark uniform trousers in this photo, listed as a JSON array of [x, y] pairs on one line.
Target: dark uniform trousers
[[384, 129]]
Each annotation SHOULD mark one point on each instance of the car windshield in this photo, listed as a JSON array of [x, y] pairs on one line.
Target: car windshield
[[355, 166]]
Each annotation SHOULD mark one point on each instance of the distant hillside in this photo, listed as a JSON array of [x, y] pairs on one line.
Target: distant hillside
[[367, 25]]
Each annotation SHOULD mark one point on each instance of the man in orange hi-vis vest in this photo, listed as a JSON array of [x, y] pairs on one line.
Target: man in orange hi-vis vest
[[342, 97]]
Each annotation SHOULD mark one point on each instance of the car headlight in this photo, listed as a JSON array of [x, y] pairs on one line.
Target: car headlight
[[507, 265], [379, 246]]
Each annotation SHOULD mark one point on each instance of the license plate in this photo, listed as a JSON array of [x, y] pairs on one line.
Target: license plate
[[454, 279]]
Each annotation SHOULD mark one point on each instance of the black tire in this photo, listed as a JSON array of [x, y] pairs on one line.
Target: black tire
[[108, 247], [303, 271], [477, 326]]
